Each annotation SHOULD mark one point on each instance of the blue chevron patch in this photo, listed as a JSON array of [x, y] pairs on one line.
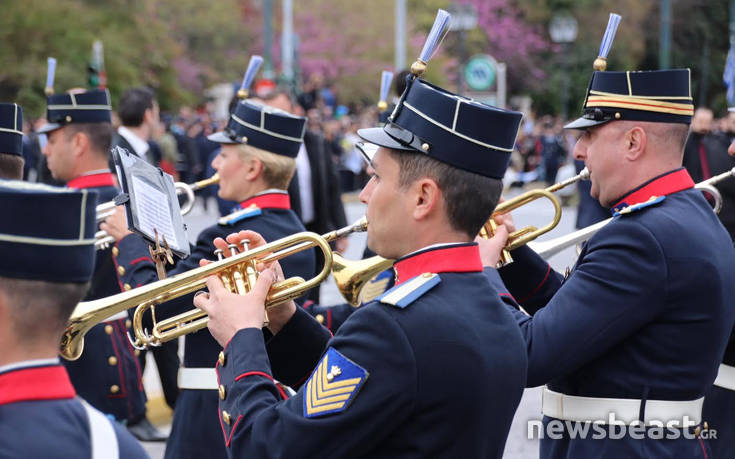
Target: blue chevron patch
[[239, 215], [333, 385], [406, 293]]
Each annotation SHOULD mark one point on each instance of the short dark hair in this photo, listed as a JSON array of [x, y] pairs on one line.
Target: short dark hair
[[400, 82], [11, 166], [40, 310], [471, 198], [99, 134], [133, 104]]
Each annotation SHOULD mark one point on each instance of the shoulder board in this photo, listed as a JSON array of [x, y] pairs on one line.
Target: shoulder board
[[402, 295], [654, 200], [376, 286], [333, 385], [239, 215]]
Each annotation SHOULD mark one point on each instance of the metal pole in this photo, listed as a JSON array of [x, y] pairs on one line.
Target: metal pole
[[462, 61], [268, 40], [564, 82], [664, 57], [400, 44], [502, 91], [287, 41]]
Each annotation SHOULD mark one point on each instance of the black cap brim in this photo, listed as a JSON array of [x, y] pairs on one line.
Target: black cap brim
[[380, 138], [48, 127], [220, 137], [584, 123]]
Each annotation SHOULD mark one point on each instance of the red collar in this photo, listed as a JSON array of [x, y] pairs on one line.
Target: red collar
[[274, 200], [668, 183], [36, 383], [455, 259], [92, 181]]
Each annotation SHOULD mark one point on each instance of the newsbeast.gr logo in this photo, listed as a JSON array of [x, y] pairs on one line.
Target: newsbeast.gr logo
[[615, 429]]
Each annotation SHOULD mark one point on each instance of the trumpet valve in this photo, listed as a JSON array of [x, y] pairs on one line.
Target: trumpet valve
[[245, 243], [233, 249], [220, 254]]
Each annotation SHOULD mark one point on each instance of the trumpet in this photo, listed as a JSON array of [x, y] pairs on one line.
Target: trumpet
[[104, 210], [237, 272], [547, 249], [525, 235]]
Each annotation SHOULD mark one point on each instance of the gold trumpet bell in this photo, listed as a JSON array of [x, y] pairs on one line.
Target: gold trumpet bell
[[351, 276]]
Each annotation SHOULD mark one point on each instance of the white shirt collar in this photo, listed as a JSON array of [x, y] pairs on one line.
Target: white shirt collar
[[139, 145]]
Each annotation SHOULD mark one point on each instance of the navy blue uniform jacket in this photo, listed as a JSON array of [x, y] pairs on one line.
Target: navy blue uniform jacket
[[645, 314], [195, 432], [41, 418], [108, 374], [434, 368]]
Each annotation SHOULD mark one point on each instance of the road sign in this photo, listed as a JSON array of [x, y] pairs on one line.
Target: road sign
[[480, 72]]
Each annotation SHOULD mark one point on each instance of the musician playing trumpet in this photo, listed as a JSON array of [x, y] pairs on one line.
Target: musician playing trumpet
[[108, 374], [434, 367], [255, 166], [632, 339]]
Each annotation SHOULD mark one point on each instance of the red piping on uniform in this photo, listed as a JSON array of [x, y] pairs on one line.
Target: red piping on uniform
[[254, 373], [229, 440], [329, 319], [136, 363], [138, 260], [704, 451], [119, 369], [548, 270]]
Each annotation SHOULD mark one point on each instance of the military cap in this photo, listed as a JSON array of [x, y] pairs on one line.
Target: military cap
[[461, 132], [662, 96], [456, 130], [263, 127], [91, 106], [51, 233], [11, 129]]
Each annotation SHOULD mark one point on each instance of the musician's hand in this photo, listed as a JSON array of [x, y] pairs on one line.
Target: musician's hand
[[116, 225], [277, 315], [342, 245], [490, 248], [731, 149], [229, 312]]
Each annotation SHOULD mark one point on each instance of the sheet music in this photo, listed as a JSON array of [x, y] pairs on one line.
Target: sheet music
[[153, 211]]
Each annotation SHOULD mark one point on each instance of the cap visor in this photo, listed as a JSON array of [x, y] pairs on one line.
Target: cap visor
[[48, 127], [220, 137], [584, 123], [380, 138], [367, 150]]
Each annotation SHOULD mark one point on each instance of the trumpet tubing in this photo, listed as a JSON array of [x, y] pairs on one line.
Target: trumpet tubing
[[237, 273], [525, 235], [106, 209]]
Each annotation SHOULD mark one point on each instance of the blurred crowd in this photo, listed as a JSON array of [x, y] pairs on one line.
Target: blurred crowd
[[179, 145]]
